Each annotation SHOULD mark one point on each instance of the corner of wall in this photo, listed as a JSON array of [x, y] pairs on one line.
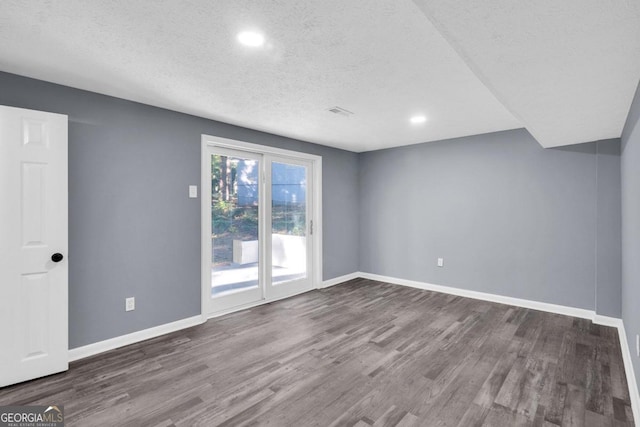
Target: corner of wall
[[630, 229], [608, 245], [359, 211]]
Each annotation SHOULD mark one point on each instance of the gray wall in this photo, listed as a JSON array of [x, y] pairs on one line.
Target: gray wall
[[507, 216], [132, 229], [631, 228], [609, 231]]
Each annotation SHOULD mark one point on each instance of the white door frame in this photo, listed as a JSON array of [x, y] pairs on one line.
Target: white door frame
[[205, 215]]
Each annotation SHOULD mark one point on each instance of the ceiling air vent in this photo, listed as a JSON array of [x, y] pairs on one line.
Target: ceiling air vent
[[340, 111]]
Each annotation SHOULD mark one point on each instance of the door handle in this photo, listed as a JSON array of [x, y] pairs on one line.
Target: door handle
[[57, 257]]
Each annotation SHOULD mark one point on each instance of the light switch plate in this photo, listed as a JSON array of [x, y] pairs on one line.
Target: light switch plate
[[440, 262], [193, 191]]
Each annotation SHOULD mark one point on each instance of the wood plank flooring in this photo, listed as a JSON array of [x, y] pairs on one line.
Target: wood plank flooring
[[363, 353]]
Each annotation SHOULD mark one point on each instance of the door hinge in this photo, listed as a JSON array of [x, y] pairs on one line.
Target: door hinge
[[311, 228]]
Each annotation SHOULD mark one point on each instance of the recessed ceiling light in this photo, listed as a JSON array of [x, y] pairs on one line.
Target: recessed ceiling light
[[251, 38], [417, 119]]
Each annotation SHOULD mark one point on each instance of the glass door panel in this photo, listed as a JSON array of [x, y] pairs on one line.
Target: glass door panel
[[235, 230], [289, 221]]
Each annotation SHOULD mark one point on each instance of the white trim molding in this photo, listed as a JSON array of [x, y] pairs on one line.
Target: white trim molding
[[484, 296], [614, 322], [628, 369], [341, 279], [132, 338]]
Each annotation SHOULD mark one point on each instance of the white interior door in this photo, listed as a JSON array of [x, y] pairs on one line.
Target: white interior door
[[33, 244]]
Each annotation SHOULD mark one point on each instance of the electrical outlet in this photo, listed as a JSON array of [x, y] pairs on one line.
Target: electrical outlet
[[440, 262], [638, 345], [130, 304]]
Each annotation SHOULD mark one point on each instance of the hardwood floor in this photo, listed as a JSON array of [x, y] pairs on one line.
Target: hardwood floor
[[363, 353]]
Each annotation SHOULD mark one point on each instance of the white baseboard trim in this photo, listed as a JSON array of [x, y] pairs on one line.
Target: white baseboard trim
[[518, 302], [132, 338], [614, 322], [341, 279], [628, 369]]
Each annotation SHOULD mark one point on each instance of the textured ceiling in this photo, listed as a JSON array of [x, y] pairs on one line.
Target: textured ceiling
[[382, 60], [567, 69]]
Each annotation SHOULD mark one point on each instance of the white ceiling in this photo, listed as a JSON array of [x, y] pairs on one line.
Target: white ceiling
[[566, 71]]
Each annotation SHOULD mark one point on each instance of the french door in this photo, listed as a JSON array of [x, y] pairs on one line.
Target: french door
[[258, 227]]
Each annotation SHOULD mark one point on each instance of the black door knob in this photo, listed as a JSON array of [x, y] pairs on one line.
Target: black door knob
[[56, 257]]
